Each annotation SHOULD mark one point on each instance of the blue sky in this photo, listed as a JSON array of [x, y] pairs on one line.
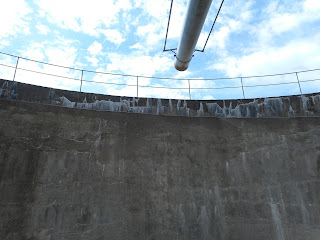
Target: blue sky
[[127, 37]]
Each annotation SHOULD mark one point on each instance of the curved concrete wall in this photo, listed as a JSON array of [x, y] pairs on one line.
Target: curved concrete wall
[[79, 174], [289, 106]]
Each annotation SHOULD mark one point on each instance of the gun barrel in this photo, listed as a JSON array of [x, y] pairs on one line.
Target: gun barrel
[[196, 14]]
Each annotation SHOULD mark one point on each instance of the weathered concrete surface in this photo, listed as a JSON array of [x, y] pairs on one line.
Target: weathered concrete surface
[[78, 174], [290, 106]]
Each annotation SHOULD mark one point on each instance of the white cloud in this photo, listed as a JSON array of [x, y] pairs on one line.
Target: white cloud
[[138, 64], [268, 50], [13, 18], [94, 61], [4, 43], [248, 39], [34, 51], [65, 56], [150, 33], [156, 13], [59, 52], [84, 16], [184, 74], [43, 29], [280, 20], [137, 46], [228, 23], [114, 36], [7, 72], [95, 48], [312, 5], [296, 55], [124, 4]]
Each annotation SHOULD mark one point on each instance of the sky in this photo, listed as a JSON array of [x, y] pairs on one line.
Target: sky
[[250, 38]]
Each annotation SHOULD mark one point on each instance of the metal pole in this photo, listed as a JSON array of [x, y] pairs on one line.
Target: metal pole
[[299, 83], [137, 86], [195, 17], [15, 71], [81, 80], [242, 89], [189, 89]]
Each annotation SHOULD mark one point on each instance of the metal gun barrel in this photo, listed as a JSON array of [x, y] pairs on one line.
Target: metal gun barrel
[[196, 14]]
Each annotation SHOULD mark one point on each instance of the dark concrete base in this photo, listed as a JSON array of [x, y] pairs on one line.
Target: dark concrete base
[[78, 174]]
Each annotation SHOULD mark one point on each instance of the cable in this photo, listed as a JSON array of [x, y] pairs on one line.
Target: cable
[[49, 74], [271, 84], [162, 78], [212, 26], [165, 41], [163, 87]]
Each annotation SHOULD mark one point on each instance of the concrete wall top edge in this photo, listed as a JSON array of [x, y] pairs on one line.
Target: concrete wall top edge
[[285, 106]]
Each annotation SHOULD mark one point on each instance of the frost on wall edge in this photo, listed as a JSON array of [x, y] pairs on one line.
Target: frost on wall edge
[[289, 106]]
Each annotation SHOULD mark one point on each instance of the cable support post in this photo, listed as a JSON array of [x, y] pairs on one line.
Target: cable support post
[[15, 71], [242, 89], [189, 89], [137, 86], [81, 80], [299, 83]]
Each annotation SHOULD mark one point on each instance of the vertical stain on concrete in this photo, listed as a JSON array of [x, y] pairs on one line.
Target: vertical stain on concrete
[[182, 220], [51, 95], [244, 162], [204, 224], [273, 107], [291, 112], [4, 90], [14, 90], [200, 112], [303, 209], [160, 108], [276, 218], [279, 235], [183, 110], [170, 105], [214, 109], [219, 216], [305, 103]]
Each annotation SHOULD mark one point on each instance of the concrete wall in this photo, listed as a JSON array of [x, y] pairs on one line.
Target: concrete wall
[[290, 106], [82, 174]]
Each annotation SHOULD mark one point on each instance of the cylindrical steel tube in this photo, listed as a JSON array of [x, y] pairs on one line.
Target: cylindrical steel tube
[[196, 14]]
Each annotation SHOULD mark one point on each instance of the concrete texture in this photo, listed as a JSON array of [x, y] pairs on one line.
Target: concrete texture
[[290, 106], [82, 174]]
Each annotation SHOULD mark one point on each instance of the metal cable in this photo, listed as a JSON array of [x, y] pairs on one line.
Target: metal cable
[[271, 84], [310, 80], [148, 86], [144, 86], [165, 41], [49, 74], [163, 78], [214, 22], [216, 88]]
